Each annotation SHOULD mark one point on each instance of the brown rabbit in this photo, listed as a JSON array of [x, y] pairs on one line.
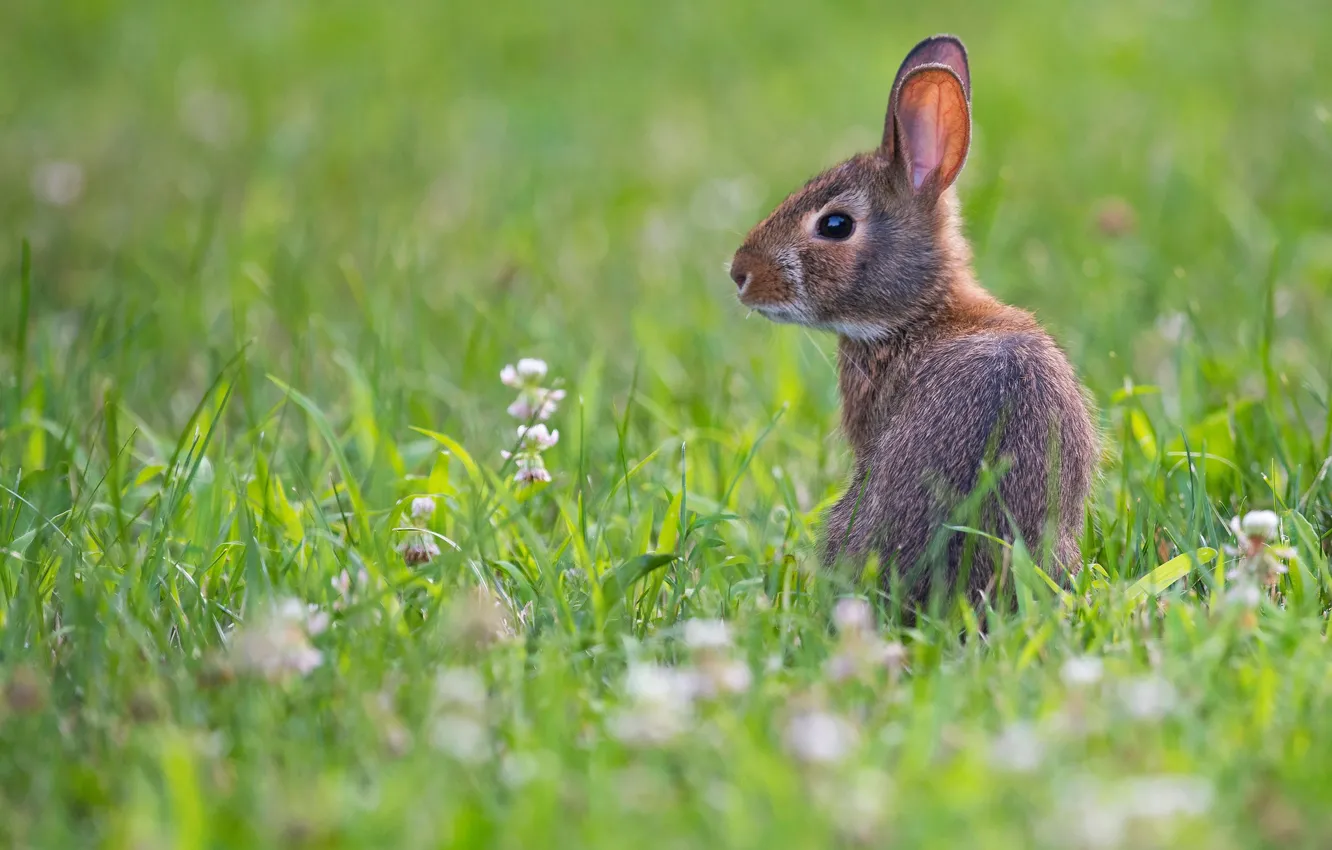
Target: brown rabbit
[[939, 380]]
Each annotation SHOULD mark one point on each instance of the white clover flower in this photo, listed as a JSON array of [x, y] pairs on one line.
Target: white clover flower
[[659, 685], [1148, 697], [1244, 594], [527, 374], [57, 183], [1096, 814], [461, 688], [853, 616], [522, 408], [275, 644], [537, 437], [317, 621], [817, 737], [534, 401], [464, 738], [700, 634], [418, 549], [423, 507], [860, 654], [1081, 671], [731, 677], [1257, 525], [1018, 749], [717, 676], [531, 470], [660, 709], [531, 370], [1156, 797]]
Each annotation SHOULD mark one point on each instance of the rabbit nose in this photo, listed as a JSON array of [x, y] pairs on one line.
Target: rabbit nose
[[740, 272]]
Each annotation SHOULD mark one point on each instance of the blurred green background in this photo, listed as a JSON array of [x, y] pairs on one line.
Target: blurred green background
[[432, 187], [379, 205]]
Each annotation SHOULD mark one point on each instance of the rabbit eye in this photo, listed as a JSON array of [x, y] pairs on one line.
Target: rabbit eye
[[835, 226]]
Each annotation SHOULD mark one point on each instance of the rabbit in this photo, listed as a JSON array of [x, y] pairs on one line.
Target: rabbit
[[938, 379]]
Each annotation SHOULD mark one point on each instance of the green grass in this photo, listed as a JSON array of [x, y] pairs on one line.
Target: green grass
[[308, 236]]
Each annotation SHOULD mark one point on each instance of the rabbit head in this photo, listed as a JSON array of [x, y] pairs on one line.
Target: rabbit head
[[864, 248]]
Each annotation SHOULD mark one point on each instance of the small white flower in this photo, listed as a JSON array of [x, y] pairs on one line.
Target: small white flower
[[461, 688], [290, 609], [853, 616], [536, 403], [531, 370], [57, 183], [531, 470], [1257, 525], [317, 620], [1096, 814], [1244, 594], [275, 643], [733, 677], [721, 676], [537, 437], [700, 634], [658, 685], [860, 655], [1019, 749], [1081, 671], [1148, 697], [526, 375], [464, 738], [660, 706], [423, 507], [817, 737], [548, 402], [522, 408], [418, 549], [1157, 797]]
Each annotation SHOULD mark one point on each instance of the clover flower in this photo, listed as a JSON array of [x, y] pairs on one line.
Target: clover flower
[[1259, 560], [819, 737], [275, 644], [534, 401], [860, 650], [532, 441]]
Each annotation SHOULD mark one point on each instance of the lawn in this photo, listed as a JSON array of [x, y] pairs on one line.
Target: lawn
[[267, 579]]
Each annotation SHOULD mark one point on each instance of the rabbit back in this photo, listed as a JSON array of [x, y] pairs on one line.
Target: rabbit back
[[1002, 398]]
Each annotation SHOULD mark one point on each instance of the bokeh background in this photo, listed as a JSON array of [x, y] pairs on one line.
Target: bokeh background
[[267, 238], [430, 187]]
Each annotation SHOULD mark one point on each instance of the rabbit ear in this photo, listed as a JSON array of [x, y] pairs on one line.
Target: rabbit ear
[[946, 50], [933, 125]]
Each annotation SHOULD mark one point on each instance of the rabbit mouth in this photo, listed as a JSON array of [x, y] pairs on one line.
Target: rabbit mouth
[[789, 313]]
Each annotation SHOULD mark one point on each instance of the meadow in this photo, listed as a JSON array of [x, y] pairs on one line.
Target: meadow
[[273, 279]]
